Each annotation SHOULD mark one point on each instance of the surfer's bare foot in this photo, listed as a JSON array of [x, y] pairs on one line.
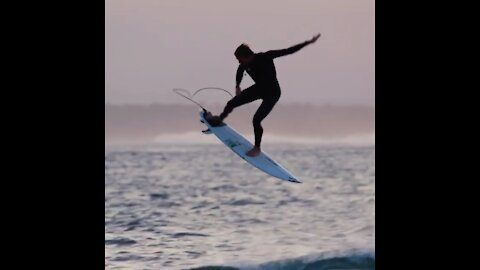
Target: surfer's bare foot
[[255, 151]]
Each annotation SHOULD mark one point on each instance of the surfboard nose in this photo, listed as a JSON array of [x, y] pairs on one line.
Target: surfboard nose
[[291, 179]]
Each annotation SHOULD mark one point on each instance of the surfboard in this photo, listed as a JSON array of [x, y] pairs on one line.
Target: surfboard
[[240, 145]]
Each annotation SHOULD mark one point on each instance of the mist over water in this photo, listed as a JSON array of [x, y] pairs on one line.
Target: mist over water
[[297, 123], [194, 138]]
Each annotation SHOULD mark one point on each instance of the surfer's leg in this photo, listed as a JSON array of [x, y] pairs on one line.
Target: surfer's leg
[[248, 95], [262, 112]]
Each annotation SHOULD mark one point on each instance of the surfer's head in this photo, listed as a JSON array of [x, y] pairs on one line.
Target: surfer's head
[[244, 54]]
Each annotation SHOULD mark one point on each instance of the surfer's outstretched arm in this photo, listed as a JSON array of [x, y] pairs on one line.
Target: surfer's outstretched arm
[[293, 49]]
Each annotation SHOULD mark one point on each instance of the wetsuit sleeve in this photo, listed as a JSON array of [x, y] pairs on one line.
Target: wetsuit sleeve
[[239, 76], [277, 53]]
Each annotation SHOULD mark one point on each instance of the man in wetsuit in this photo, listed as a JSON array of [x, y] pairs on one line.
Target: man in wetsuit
[[261, 69]]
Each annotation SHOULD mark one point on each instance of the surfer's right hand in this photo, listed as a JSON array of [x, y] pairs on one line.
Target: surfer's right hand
[[313, 39], [238, 90]]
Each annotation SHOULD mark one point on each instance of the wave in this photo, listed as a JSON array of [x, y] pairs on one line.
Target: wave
[[355, 261]]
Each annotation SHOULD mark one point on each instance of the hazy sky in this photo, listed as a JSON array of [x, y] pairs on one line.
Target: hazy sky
[[153, 46]]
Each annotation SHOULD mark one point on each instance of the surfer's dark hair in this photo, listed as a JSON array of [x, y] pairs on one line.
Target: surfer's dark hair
[[243, 50]]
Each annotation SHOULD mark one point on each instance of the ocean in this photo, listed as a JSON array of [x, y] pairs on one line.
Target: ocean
[[200, 206]]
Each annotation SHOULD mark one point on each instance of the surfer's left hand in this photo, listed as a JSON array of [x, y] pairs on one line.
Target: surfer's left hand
[[313, 39]]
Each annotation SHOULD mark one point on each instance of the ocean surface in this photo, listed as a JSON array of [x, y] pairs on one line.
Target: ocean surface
[[200, 206]]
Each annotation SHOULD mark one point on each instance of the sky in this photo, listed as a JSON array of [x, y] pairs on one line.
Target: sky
[[153, 46]]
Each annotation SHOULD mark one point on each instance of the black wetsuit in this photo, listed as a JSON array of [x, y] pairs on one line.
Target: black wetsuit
[[266, 87]]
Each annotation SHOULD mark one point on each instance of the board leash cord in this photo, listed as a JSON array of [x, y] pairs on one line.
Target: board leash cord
[[186, 94]]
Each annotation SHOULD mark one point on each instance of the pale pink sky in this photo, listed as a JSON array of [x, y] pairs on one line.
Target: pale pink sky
[[153, 46]]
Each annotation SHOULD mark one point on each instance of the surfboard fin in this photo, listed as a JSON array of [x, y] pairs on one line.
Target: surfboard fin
[[207, 131]]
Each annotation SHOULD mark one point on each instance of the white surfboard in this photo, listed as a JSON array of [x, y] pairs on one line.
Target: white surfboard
[[238, 144]]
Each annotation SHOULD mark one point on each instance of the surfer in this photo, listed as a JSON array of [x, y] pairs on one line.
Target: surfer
[[262, 70]]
